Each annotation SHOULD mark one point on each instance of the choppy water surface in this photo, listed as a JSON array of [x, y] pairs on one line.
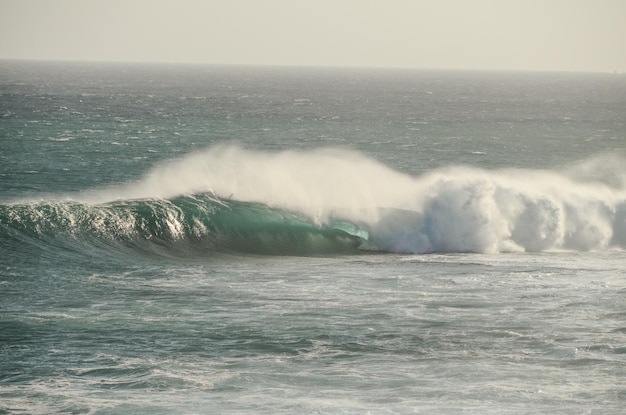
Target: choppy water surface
[[258, 240]]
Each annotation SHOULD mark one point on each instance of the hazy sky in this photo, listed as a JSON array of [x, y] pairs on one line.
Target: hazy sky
[[571, 35]]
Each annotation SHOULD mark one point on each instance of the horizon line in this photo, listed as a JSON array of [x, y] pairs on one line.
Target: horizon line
[[305, 66]]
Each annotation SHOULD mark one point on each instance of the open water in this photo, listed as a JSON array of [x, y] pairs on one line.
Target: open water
[[205, 239]]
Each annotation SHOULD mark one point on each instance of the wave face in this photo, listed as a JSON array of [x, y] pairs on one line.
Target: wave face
[[184, 226], [333, 201]]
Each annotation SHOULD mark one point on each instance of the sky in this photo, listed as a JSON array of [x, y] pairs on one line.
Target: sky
[[544, 35]]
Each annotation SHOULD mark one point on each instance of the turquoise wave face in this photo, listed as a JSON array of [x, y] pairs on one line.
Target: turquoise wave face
[[184, 226]]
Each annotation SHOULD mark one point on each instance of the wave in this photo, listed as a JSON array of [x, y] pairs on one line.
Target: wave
[[334, 201], [183, 226]]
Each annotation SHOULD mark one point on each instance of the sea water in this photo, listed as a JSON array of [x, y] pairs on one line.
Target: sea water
[[206, 239]]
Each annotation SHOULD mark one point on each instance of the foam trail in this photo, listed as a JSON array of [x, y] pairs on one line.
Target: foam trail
[[449, 210]]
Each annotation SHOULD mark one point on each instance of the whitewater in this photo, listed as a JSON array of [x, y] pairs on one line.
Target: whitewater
[[198, 239]]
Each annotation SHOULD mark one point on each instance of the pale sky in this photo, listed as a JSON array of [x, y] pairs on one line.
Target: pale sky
[[564, 35]]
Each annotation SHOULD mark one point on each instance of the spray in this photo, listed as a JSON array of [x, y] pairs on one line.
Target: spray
[[456, 209]]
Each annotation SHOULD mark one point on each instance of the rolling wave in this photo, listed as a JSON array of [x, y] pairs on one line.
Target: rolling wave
[[183, 226], [328, 202]]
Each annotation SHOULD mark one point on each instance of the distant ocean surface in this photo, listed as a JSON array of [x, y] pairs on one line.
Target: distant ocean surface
[[229, 240]]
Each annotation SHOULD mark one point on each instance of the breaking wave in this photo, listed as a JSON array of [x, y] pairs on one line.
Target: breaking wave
[[332, 201], [184, 226]]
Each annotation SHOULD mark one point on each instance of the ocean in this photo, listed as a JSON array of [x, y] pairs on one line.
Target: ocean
[[229, 239]]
